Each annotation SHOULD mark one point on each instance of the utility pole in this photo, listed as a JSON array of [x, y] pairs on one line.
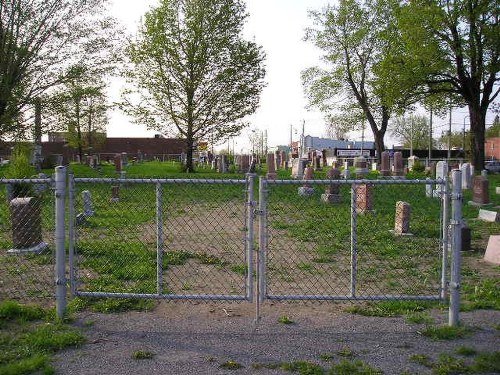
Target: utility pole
[[430, 138], [411, 135], [449, 138]]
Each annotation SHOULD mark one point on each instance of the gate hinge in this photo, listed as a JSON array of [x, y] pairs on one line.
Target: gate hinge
[[455, 196], [455, 222], [258, 212]]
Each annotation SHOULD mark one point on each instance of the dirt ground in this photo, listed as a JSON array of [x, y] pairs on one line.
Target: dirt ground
[[187, 338]]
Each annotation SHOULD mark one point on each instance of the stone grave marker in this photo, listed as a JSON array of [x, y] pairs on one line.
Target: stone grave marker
[[307, 190], [332, 191], [398, 164], [360, 167], [466, 176], [364, 198], [385, 167], [441, 173], [402, 221], [26, 221], [124, 159], [271, 171], [277, 160], [480, 194], [428, 189], [490, 216], [484, 173], [492, 254], [118, 162], [346, 174], [412, 160], [87, 204]]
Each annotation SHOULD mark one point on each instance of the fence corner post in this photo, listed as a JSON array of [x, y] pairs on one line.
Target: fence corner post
[[456, 230], [60, 267]]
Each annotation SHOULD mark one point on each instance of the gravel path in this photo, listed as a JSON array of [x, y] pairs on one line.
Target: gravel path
[[197, 338]]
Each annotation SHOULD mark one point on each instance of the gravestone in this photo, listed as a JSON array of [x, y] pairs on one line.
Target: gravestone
[[317, 162], [253, 164], [346, 174], [374, 167], [78, 160], [402, 221], [224, 161], [385, 167], [489, 216], [364, 198], [244, 163], [398, 164], [87, 204], [484, 173], [277, 160], [412, 160], [480, 194], [307, 190], [466, 177], [428, 189], [441, 173], [360, 167], [140, 156], [115, 193], [332, 191], [118, 162], [26, 221], [492, 254], [298, 166], [95, 161], [284, 160], [271, 171]]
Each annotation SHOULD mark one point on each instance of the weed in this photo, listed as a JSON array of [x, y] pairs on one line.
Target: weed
[[487, 363], [285, 319], [446, 332], [419, 318], [357, 367], [421, 359], [326, 357], [303, 368], [142, 355], [231, 365], [346, 352], [466, 351], [448, 364], [241, 269]]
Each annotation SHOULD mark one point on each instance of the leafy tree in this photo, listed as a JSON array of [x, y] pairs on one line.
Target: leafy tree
[[452, 48], [411, 131], [355, 35], [456, 139], [194, 75], [80, 109], [39, 39], [494, 129]]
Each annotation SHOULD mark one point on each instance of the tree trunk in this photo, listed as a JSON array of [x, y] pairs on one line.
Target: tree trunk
[[477, 127], [189, 153]]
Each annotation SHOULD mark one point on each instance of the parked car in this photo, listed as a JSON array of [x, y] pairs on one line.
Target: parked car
[[492, 166]]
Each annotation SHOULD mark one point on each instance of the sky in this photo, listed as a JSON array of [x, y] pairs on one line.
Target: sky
[[278, 26]]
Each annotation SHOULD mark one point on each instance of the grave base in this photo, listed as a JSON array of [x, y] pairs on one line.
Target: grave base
[[305, 191], [476, 204], [400, 233], [37, 249], [331, 198]]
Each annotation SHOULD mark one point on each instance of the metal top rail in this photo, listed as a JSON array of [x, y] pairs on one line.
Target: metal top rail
[[26, 180], [158, 180], [357, 182]]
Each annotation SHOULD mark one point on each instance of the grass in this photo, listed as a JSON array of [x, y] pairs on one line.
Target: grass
[[446, 332], [231, 365], [285, 319], [140, 354], [29, 337], [447, 364]]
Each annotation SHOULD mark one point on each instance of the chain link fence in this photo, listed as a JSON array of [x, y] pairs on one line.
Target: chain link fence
[[27, 240], [170, 239], [370, 240]]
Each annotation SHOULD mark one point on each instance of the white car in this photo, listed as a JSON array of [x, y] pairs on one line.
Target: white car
[[492, 166]]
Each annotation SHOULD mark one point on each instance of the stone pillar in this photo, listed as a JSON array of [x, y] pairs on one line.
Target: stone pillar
[[307, 190], [398, 164], [271, 171], [87, 204], [332, 192], [480, 193], [385, 167], [26, 221], [364, 198], [402, 222]]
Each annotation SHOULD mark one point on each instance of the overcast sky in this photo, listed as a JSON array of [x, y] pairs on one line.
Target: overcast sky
[[277, 25]]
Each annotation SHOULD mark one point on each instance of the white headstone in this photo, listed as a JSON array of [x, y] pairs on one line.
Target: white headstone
[[491, 216], [428, 189], [87, 204], [466, 176], [492, 254]]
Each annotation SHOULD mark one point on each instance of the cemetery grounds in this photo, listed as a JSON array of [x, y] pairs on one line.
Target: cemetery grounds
[[204, 228]]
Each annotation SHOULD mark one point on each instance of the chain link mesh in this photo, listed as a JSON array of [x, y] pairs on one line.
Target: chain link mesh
[[348, 248], [199, 229], [27, 246]]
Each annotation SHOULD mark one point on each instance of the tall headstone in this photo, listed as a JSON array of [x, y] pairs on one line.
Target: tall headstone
[[298, 166], [412, 160], [492, 254], [87, 204], [398, 164], [364, 198], [428, 189], [307, 190], [385, 168], [115, 193], [271, 171], [118, 162], [480, 192], [277, 160], [26, 221], [402, 221], [466, 177], [284, 160], [124, 159], [332, 191], [346, 174]]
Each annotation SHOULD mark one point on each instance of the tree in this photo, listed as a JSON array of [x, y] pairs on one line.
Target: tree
[[411, 131], [354, 35], [494, 129], [457, 140], [80, 109], [39, 39], [452, 48], [194, 74]]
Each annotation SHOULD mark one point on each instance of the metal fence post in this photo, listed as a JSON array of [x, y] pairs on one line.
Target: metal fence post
[[261, 255], [446, 217], [60, 197], [71, 234], [159, 239], [354, 239], [456, 225], [249, 237]]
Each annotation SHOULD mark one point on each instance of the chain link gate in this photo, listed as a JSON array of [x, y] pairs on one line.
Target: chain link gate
[[161, 238], [347, 249]]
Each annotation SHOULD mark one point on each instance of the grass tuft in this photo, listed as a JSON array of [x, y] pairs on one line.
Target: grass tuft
[[446, 332]]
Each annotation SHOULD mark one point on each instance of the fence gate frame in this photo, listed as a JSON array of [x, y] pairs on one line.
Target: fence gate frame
[[247, 248]]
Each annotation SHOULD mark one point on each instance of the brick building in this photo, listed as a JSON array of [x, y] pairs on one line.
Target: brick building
[[492, 148]]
